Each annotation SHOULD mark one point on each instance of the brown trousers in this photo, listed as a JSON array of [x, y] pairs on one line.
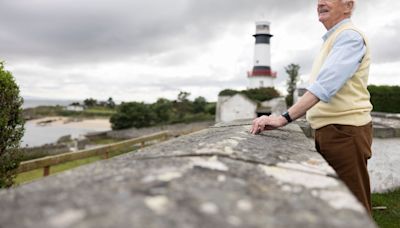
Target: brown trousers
[[347, 149]]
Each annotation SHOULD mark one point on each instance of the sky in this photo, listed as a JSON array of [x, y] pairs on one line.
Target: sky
[[134, 50]]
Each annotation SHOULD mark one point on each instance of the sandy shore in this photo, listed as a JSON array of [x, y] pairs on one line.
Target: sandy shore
[[97, 123]]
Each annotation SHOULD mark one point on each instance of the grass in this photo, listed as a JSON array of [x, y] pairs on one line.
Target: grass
[[45, 111], [38, 173], [391, 216], [100, 110], [104, 141]]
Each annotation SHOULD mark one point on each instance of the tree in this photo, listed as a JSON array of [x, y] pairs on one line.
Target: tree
[[163, 110], [90, 102], [75, 104], [132, 114], [199, 105], [11, 127], [211, 108], [183, 106], [293, 71], [183, 96], [110, 103]]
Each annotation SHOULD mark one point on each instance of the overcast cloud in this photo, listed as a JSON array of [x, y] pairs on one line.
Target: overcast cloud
[[142, 50]]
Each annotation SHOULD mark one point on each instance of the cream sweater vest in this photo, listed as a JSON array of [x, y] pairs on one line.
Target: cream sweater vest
[[351, 104]]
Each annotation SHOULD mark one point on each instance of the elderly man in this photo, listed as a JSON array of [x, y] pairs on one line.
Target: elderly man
[[337, 102]]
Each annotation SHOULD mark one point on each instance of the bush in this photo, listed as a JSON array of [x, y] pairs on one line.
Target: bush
[[261, 94], [199, 105], [132, 114], [211, 108], [258, 94], [11, 127], [228, 92], [163, 111], [385, 98]]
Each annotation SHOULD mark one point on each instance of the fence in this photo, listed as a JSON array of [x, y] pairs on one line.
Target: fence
[[47, 162]]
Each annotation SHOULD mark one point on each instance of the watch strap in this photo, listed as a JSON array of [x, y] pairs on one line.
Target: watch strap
[[287, 117]]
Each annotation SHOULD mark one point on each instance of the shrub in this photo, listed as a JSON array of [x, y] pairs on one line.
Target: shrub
[[258, 94], [228, 92], [261, 94], [163, 111], [385, 98], [132, 114], [11, 127]]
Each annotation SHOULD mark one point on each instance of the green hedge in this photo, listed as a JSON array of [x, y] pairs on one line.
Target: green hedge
[[385, 98], [259, 94]]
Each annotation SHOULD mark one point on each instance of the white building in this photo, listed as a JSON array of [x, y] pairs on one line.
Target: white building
[[235, 107], [76, 108], [239, 106]]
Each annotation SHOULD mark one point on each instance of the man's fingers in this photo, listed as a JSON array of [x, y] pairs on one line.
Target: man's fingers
[[254, 128], [259, 124]]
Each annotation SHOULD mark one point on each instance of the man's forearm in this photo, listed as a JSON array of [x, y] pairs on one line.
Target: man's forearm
[[307, 101]]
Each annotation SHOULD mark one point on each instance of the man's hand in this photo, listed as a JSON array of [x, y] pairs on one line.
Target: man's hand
[[307, 101], [267, 123]]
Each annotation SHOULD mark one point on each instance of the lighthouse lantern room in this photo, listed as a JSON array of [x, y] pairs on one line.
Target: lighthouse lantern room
[[261, 75]]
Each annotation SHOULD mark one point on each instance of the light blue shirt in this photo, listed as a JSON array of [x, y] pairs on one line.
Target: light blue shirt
[[341, 63]]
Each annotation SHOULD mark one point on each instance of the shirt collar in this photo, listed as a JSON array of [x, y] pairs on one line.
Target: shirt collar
[[333, 29]]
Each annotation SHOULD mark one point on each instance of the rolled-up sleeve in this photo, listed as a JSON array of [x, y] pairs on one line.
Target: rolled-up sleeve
[[340, 65]]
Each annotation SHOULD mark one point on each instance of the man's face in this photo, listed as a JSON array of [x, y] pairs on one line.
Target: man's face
[[331, 12]]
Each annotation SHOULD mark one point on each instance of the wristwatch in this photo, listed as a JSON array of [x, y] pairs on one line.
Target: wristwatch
[[287, 117]]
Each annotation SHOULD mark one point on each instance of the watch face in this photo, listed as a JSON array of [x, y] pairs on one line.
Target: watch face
[[287, 117]]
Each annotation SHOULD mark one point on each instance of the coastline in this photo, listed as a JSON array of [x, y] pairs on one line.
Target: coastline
[[48, 130], [73, 122]]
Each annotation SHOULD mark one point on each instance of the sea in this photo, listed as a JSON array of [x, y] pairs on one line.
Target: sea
[[32, 103], [36, 135]]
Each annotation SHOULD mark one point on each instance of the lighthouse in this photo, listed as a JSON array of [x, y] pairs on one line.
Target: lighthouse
[[261, 75]]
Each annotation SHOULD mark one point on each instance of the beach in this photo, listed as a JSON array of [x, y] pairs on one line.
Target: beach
[[49, 129]]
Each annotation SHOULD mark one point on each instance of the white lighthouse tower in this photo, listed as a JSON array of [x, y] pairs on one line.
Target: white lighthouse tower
[[261, 75]]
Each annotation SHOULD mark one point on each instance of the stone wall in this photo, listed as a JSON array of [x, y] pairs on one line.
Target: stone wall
[[218, 177], [384, 126]]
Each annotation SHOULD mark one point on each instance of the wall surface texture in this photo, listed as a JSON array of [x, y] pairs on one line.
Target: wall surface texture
[[219, 177]]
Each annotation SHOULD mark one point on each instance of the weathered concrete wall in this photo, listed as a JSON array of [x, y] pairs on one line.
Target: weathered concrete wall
[[383, 167], [383, 126], [218, 177]]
